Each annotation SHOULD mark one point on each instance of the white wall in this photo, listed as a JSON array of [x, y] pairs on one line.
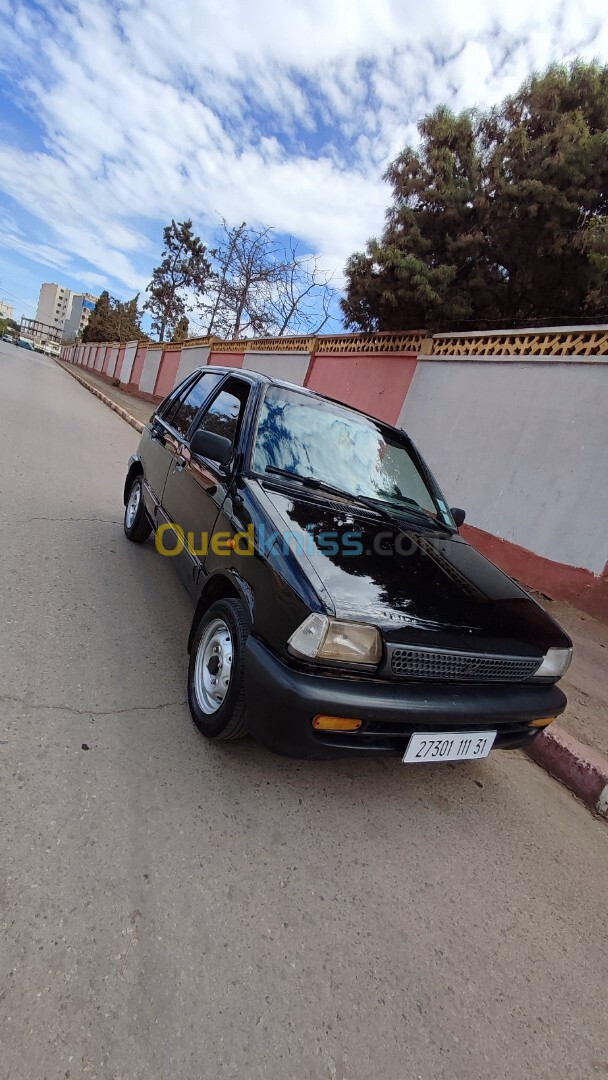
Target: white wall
[[192, 357], [291, 366], [522, 446], [147, 381], [128, 360]]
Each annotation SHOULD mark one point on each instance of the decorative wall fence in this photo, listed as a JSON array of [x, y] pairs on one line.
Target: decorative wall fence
[[514, 424]]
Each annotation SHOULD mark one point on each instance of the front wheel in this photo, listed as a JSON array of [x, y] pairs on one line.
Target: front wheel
[[137, 526], [216, 694]]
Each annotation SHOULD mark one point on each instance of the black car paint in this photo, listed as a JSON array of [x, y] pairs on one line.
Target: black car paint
[[441, 592]]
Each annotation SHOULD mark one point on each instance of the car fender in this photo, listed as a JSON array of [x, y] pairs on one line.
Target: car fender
[[223, 582], [135, 465]]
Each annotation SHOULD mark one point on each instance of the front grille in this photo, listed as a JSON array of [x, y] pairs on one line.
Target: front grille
[[407, 663]]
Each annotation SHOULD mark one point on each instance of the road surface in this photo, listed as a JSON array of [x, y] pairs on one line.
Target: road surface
[[176, 910]]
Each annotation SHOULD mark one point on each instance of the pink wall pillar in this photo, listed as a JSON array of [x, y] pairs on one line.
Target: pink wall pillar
[[376, 383], [167, 372], [105, 367], [138, 365], [226, 359], [121, 356]]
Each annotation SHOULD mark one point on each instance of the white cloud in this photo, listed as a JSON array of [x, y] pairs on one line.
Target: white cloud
[[13, 240], [274, 113]]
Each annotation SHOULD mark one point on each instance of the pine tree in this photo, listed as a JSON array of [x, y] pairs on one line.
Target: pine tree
[[184, 268], [114, 320], [101, 324], [497, 218]]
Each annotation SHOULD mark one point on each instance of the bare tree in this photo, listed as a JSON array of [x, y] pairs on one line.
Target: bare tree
[[214, 306], [302, 300], [259, 286]]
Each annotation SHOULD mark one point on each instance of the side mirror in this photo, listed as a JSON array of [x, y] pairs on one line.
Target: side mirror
[[458, 515], [208, 444]]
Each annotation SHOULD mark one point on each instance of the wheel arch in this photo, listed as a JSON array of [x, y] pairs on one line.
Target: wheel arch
[[135, 469], [220, 586]]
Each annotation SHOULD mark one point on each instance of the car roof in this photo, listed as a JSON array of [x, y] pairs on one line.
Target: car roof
[[257, 377]]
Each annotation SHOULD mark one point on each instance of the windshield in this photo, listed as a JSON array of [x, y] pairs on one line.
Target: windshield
[[310, 437]]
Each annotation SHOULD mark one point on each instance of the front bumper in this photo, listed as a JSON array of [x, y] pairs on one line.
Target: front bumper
[[282, 702]]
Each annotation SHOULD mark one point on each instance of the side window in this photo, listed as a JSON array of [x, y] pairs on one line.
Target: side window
[[182, 416], [169, 406], [224, 415]]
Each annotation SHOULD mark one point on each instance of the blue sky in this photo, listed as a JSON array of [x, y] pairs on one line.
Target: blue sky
[[117, 115]]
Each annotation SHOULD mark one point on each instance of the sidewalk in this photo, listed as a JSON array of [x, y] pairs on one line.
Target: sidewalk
[[586, 682], [137, 407], [575, 750]]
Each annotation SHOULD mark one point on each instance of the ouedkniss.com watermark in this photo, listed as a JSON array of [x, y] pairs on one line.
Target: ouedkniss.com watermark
[[171, 540]]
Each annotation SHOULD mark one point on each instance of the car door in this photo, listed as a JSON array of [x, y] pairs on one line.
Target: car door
[[161, 440], [156, 455], [196, 487]]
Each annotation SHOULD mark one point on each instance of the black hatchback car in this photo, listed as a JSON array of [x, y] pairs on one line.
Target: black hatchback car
[[337, 610]]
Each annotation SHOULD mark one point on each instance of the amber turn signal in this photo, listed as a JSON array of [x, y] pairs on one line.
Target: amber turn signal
[[543, 722], [335, 723]]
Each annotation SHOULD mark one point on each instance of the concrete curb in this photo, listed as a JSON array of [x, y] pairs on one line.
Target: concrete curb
[[580, 768], [102, 397]]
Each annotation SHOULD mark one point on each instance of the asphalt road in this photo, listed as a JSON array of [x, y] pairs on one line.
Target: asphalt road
[[174, 909]]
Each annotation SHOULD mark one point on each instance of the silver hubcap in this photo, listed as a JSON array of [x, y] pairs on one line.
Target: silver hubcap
[[133, 505], [213, 666]]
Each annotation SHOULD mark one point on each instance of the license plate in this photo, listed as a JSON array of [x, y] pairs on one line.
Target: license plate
[[427, 746]]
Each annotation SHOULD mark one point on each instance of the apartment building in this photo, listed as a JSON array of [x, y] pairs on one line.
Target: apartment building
[[54, 305], [67, 311], [83, 304], [7, 311]]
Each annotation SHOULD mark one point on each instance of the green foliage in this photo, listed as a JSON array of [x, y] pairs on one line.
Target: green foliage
[[101, 324], [9, 326], [184, 269], [497, 218], [114, 320]]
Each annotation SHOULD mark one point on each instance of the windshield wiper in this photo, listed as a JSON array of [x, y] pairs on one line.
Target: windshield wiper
[[382, 509], [410, 508], [309, 481]]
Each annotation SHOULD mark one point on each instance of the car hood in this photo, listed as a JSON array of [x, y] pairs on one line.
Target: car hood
[[420, 586]]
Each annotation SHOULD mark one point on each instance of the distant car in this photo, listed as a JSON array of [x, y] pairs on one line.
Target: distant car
[[24, 345], [8, 337], [361, 622]]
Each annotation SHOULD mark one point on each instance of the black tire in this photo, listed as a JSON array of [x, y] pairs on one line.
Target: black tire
[[218, 718], [136, 524]]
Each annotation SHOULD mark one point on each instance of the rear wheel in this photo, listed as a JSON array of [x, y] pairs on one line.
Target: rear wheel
[[137, 526], [216, 694]]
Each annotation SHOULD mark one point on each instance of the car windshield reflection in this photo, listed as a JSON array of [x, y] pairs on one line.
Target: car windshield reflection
[[309, 437]]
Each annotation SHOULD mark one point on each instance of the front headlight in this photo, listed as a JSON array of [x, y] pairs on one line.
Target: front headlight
[[555, 664], [322, 638]]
